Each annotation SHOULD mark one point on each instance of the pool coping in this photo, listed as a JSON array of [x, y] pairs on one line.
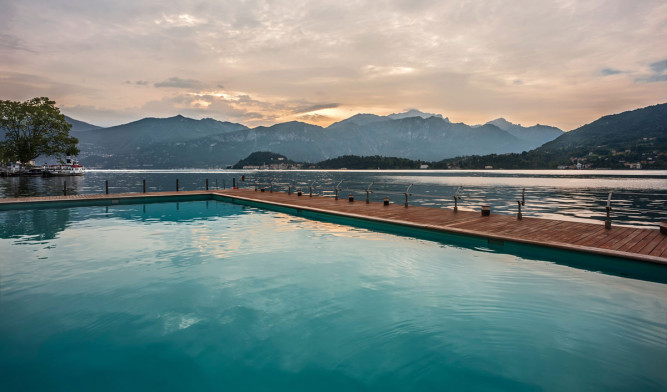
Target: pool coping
[[261, 198]]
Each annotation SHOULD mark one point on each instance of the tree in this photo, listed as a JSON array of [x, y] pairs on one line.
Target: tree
[[33, 128]]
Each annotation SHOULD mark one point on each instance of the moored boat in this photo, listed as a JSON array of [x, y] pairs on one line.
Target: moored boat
[[71, 167]]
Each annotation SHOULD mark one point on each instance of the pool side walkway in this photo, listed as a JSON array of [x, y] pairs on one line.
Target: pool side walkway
[[642, 244]]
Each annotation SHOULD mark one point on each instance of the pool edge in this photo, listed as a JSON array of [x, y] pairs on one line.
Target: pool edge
[[226, 195]]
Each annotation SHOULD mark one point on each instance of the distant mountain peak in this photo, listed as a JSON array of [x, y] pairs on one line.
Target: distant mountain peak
[[78, 125], [415, 113], [359, 119], [503, 124]]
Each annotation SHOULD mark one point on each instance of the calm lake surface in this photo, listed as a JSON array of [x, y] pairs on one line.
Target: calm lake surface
[[639, 197]]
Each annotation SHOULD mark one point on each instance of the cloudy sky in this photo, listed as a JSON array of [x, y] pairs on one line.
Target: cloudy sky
[[562, 63]]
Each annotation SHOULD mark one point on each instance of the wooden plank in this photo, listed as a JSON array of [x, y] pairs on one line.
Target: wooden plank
[[628, 238], [644, 242], [619, 234], [609, 236], [648, 249], [662, 245], [627, 247]]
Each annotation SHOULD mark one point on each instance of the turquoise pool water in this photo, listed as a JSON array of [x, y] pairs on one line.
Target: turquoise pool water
[[207, 295]]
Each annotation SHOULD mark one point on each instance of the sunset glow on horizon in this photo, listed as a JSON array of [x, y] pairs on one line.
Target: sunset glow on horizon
[[559, 63]]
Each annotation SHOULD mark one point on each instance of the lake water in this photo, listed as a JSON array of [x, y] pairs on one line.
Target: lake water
[[639, 197]]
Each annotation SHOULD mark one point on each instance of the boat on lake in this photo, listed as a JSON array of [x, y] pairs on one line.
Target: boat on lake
[[71, 167]]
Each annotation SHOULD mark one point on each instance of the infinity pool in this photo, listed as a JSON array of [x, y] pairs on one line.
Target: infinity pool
[[207, 295]]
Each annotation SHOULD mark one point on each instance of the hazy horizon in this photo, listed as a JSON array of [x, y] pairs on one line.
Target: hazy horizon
[[558, 63]]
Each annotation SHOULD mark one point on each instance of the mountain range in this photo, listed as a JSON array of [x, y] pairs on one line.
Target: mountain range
[[178, 141], [632, 139]]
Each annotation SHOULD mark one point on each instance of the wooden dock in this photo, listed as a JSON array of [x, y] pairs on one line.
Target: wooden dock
[[647, 245]]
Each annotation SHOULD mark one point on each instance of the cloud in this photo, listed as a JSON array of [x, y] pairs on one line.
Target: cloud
[[312, 108], [21, 86], [659, 67], [315, 119], [657, 73], [138, 82], [12, 42], [181, 20], [176, 82], [610, 71], [275, 60], [652, 79]]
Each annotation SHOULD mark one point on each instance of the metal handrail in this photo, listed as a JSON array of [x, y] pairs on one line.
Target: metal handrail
[[368, 191], [523, 197], [607, 223], [456, 199], [387, 189], [337, 188]]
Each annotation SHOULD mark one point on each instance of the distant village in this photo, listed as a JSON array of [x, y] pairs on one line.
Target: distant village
[[627, 159]]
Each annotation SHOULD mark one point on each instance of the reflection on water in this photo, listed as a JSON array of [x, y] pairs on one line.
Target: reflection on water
[[223, 295], [639, 198], [36, 225]]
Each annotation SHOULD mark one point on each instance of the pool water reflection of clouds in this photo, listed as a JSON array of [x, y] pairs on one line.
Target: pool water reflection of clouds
[[231, 295]]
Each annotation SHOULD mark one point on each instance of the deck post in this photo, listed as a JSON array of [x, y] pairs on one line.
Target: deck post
[[271, 187], [207, 184], [144, 185], [106, 186], [177, 185], [486, 210], [65, 188], [519, 216], [289, 190], [233, 182]]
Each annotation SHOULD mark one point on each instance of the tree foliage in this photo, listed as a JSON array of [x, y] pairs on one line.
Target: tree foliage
[[369, 162], [260, 158], [33, 128]]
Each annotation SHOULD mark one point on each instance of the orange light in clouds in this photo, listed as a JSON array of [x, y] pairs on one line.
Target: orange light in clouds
[[200, 104]]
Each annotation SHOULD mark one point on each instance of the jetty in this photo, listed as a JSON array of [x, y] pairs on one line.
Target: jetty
[[642, 244]]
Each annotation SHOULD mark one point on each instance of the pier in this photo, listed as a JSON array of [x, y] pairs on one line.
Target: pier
[[648, 245]]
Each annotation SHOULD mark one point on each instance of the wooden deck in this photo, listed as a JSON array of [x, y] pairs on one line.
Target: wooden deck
[[632, 243]]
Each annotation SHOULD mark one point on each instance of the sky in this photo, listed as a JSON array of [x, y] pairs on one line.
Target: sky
[[561, 63]]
